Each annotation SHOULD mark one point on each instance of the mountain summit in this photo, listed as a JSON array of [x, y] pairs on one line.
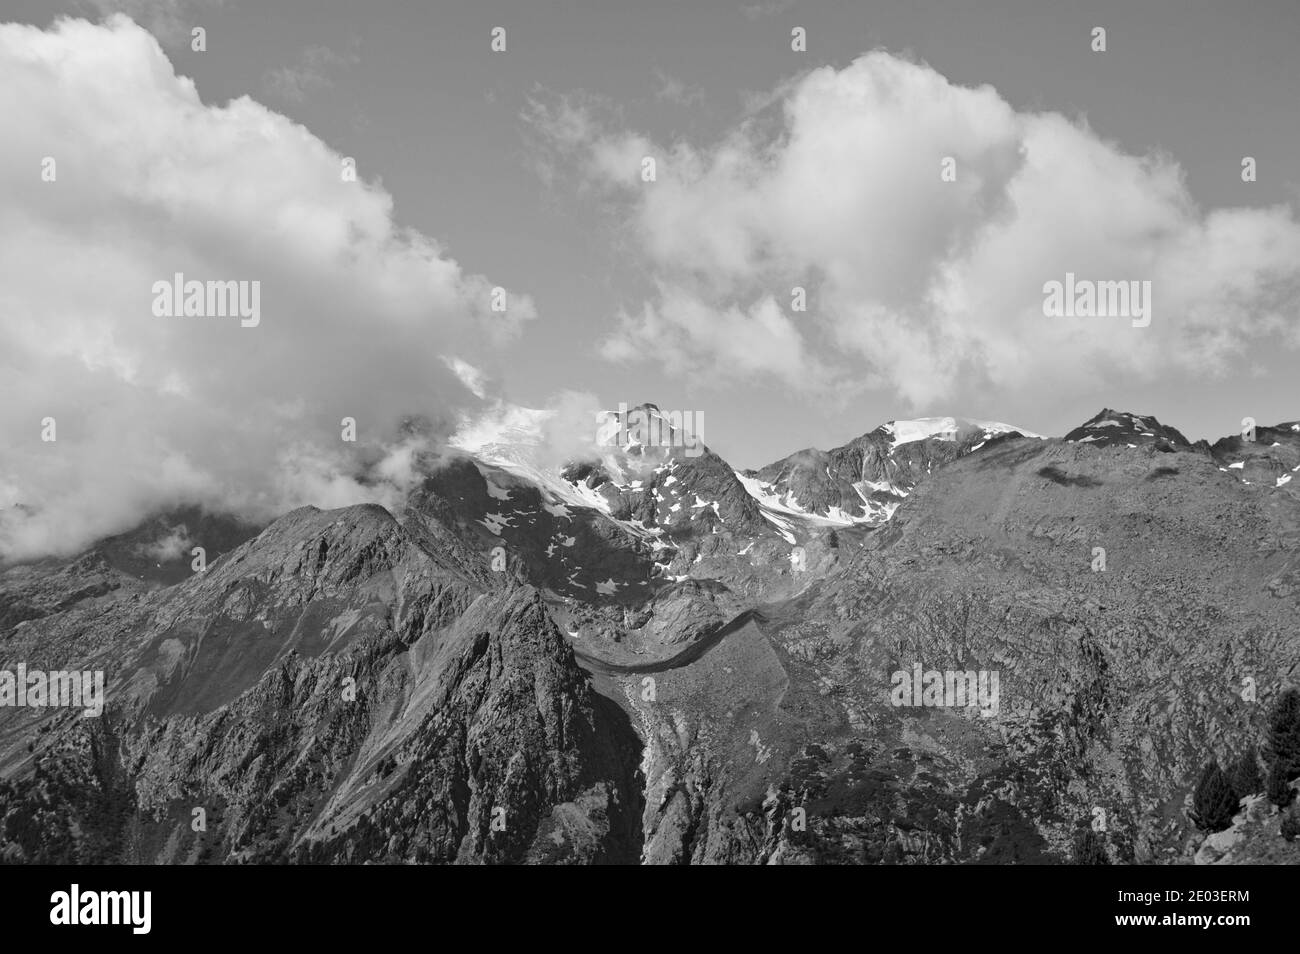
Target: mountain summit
[[866, 479], [1108, 428]]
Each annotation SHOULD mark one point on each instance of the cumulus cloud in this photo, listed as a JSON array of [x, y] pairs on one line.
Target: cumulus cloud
[[549, 437], [148, 181], [931, 288], [573, 427], [570, 429], [689, 334]]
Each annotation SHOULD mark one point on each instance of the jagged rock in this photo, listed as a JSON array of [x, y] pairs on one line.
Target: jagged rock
[[327, 692]]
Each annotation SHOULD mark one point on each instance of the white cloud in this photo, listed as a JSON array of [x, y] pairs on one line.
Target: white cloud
[[355, 311], [931, 288], [688, 334], [171, 545], [605, 159], [470, 376]]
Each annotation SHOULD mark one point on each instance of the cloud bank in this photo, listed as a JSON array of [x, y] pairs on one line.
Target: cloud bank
[[928, 286], [148, 181]]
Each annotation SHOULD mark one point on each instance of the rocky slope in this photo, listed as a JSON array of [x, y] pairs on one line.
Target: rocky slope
[[330, 691]]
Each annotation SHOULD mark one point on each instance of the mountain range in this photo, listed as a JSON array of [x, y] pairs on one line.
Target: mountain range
[[651, 657]]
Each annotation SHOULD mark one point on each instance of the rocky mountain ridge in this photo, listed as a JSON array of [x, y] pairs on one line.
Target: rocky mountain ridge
[[518, 670]]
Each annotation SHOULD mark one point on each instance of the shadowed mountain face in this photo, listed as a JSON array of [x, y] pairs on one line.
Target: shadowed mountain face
[[329, 691], [1119, 428], [159, 550], [156, 553], [590, 668]]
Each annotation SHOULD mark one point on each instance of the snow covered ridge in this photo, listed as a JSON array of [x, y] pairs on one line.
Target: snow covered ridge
[[513, 438], [643, 469], [639, 460], [947, 429], [634, 444], [510, 429], [627, 446], [865, 481]]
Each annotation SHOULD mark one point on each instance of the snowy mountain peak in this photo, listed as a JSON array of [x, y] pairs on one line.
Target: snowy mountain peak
[[864, 481], [946, 429]]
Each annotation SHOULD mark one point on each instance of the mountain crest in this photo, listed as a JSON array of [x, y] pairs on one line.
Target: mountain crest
[[1111, 428], [864, 481]]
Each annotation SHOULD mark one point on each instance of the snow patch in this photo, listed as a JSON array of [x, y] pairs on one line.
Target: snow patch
[[495, 522]]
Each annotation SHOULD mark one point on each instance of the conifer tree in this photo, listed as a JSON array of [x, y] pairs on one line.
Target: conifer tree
[[1213, 803]]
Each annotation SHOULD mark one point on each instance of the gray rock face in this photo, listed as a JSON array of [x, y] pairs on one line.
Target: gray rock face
[[327, 692]]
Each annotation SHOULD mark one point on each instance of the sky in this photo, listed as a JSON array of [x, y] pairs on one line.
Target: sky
[[522, 169]]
